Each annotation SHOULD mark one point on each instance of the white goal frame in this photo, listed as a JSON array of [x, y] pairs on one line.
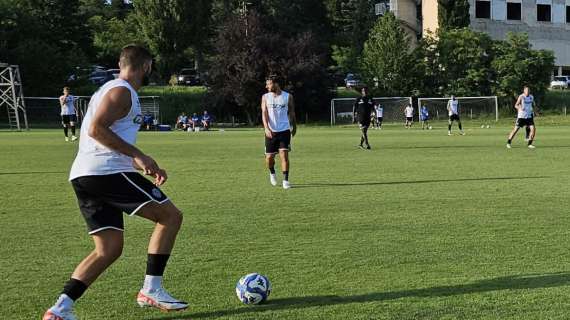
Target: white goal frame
[[464, 98], [333, 112]]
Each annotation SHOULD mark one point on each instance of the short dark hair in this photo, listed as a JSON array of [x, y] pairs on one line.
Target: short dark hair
[[273, 78], [66, 88], [134, 55]]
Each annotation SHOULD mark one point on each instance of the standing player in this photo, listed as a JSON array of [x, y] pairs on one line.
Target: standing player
[[278, 115], [525, 106], [68, 113], [106, 183], [362, 110], [453, 110], [379, 112], [424, 117], [409, 113]]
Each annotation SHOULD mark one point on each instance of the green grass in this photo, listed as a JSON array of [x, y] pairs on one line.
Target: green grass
[[424, 226]]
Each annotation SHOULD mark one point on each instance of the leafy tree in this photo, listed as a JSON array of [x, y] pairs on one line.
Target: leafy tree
[[113, 34], [453, 14], [517, 64], [387, 56]]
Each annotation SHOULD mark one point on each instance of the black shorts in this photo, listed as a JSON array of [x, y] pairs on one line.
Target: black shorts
[[279, 141], [409, 119], [379, 119], [521, 122], [364, 124], [103, 199], [66, 119], [454, 117]]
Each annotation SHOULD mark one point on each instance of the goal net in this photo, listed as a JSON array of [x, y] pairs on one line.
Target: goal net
[[470, 108], [341, 109]]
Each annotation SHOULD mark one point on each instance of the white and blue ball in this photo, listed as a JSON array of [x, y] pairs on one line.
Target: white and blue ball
[[253, 288]]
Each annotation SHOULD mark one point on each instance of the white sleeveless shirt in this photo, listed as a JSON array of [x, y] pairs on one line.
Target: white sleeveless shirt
[[453, 106], [278, 111], [94, 159], [526, 111], [68, 106]]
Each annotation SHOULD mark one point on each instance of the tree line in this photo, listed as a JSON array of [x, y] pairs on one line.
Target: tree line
[[310, 43]]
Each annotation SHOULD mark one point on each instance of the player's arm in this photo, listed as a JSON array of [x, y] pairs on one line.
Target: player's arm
[[62, 101], [115, 105], [518, 104], [449, 105], [354, 108], [292, 117], [265, 118]]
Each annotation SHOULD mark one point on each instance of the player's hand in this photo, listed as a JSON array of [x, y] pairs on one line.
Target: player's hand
[[160, 177], [146, 164], [268, 133], [293, 131]]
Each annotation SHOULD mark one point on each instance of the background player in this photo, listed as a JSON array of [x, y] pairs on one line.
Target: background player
[[409, 113], [424, 117], [525, 106], [379, 115], [278, 116], [68, 113], [453, 111]]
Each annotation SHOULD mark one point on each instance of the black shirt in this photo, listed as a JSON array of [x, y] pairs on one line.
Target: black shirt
[[363, 106]]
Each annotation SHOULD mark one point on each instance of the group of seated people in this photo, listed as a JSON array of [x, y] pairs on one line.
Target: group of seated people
[[195, 121]]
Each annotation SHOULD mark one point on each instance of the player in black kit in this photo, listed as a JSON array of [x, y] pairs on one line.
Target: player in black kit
[[363, 107]]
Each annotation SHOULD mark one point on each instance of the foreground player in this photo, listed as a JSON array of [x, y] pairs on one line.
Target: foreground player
[[362, 110], [278, 115], [68, 113], [453, 110], [106, 183], [525, 106]]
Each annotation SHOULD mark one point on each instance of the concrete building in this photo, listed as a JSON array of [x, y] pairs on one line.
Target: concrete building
[[547, 22]]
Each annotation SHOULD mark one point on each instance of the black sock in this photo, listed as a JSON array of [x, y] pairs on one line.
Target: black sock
[[272, 170], [286, 175], [460, 128], [65, 131], [509, 141], [74, 289], [527, 133], [529, 142], [72, 130], [156, 263], [361, 139], [449, 127]]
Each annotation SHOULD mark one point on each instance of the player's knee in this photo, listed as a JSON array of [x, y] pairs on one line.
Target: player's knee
[[110, 253], [173, 219]]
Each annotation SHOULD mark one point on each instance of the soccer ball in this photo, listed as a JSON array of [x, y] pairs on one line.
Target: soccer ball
[[253, 288], [430, 127]]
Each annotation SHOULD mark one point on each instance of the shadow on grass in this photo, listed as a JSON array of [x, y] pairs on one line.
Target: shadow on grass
[[31, 172], [530, 281], [349, 184]]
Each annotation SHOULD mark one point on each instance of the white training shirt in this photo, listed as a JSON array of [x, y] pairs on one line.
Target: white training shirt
[[379, 111], [94, 159], [453, 106], [68, 106], [526, 111], [409, 112], [278, 111]]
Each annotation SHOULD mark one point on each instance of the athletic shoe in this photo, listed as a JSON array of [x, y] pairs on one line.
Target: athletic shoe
[[52, 315], [462, 133], [530, 146], [509, 146], [286, 184], [368, 147], [73, 138], [449, 133], [360, 146], [160, 299], [66, 139], [272, 179]]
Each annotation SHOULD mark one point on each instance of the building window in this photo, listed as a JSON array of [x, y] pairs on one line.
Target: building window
[[483, 9], [513, 11], [567, 14], [543, 12]]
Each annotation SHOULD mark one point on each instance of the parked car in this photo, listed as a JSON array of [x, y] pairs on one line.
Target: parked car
[[101, 77], [560, 82], [188, 77], [352, 80]]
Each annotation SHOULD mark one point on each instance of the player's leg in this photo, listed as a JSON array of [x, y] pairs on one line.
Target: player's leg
[[449, 122], [460, 126], [108, 248], [72, 126], [167, 219], [532, 133], [512, 134], [365, 134], [271, 149], [65, 124], [285, 165]]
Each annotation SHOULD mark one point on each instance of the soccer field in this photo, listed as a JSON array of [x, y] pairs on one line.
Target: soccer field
[[423, 226]]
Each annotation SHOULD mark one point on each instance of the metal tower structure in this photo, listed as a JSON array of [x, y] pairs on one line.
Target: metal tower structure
[[12, 96]]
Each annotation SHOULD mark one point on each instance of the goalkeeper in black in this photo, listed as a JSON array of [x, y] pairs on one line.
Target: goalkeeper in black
[[363, 107]]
